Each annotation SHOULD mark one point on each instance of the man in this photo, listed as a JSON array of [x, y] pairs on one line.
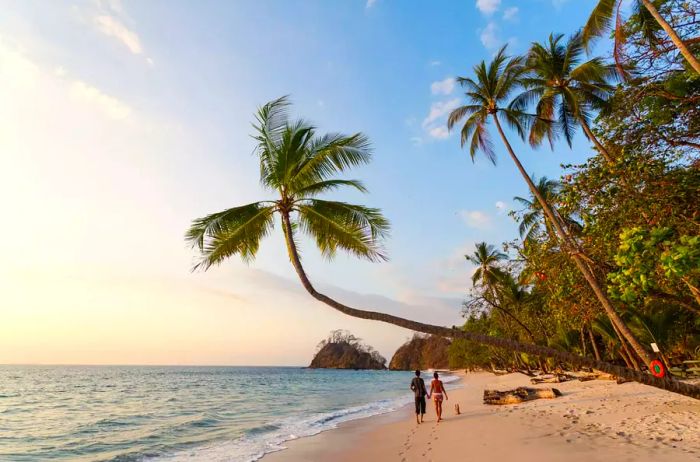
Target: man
[[419, 392]]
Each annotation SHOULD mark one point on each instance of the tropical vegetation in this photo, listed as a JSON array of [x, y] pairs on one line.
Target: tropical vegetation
[[608, 257]]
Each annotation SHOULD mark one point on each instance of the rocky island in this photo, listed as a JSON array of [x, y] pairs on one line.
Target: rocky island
[[421, 352], [342, 350]]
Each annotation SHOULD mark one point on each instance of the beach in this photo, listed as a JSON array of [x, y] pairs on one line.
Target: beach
[[593, 421]]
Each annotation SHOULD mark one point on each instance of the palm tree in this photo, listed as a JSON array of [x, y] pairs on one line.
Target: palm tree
[[533, 215], [602, 16], [486, 97], [565, 89], [496, 282], [486, 258], [298, 165]]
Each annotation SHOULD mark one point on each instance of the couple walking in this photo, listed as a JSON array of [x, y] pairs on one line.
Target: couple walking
[[437, 391]]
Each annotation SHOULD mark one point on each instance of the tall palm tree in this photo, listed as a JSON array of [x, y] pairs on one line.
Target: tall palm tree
[[495, 281], [487, 96], [565, 89], [533, 215], [602, 17], [486, 258], [298, 165]]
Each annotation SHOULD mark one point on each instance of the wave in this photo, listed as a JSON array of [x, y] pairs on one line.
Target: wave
[[271, 437]]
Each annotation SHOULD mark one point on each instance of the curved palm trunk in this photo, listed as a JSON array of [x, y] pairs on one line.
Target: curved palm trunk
[[591, 136], [593, 343], [687, 54], [575, 254], [536, 350]]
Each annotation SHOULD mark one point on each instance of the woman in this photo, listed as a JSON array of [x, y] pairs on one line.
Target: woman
[[437, 391]]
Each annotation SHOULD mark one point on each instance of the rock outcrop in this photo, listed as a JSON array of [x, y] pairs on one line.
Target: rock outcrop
[[342, 350], [421, 352]]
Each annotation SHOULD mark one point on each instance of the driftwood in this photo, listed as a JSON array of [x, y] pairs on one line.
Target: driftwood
[[519, 395], [555, 378]]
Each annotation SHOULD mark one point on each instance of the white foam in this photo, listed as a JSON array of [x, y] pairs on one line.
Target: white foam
[[253, 447]]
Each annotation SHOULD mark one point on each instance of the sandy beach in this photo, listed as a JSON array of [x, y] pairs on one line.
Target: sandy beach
[[594, 421]]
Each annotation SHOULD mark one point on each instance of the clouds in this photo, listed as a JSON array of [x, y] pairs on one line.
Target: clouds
[[488, 6], [476, 219], [108, 105], [511, 14], [489, 36], [443, 87], [370, 3], [435, 123], [112, 27]]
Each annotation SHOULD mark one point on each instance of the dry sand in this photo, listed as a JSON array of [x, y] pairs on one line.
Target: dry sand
[[593, 421]]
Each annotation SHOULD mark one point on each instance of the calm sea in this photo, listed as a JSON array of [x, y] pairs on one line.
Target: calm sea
[[131, 413]]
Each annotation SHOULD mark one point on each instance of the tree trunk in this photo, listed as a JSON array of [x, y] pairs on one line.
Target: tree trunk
[[536, 350], [623, 345], [591, 136], [575, 254], [593, 344], [687, 54]]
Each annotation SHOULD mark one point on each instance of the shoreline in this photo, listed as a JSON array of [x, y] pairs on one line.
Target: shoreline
[[595, 420]]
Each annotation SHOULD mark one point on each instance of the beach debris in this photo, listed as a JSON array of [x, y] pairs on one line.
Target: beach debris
[[519, 395], [552, 378]]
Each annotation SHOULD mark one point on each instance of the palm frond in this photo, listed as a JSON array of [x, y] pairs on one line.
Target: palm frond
[[328, 155], [356, 229], [270, 124], [599, 21], [321, 187], [236, 231]]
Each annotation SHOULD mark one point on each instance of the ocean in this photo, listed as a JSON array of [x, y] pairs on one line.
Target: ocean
[[146, 413]]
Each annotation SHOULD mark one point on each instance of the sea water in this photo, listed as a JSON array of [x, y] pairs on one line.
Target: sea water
[[144, 413]]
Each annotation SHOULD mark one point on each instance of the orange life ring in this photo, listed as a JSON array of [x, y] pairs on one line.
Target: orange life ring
[[657, 369]]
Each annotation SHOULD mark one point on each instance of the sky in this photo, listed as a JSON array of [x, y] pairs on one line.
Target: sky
[[121, 121]]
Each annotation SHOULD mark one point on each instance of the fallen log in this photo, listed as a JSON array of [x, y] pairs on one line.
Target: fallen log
[[556, 378], [519, 395]]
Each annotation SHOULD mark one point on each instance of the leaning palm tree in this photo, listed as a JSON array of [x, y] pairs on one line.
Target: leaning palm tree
[[605, 10], [298, 165], [533, 216], [487, 96], [565, 89]]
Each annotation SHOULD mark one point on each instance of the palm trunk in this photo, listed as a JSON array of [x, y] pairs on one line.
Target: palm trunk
[[593, 343], [591, 136], [623, 345], [687, 54], [575, 254], [536, 350]]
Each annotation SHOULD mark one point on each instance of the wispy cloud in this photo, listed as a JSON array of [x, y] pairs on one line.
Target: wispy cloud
[[488, 6], [435, 62], [435, 124], [370, 3], [112, 27], [489, 36], [108, 105], [443, 87], [440, 109], [476, 219], [440, 132], [511, 14]]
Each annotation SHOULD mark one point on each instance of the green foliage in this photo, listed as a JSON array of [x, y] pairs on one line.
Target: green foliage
[[298, 165], [654, 259]]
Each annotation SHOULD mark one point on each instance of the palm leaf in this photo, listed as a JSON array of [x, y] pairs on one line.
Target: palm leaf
[[339, 225], [599, 21], [236, 231]]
